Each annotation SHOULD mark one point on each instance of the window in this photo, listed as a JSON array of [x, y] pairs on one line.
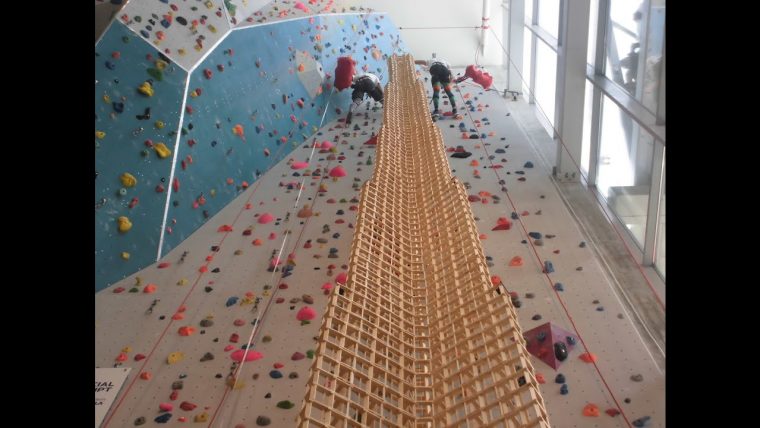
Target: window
[[548, 16], [626, 22], [546, 81], [625, 168], [527, 37], [659, 251], [592, 31], [655, 42], [586, 140]]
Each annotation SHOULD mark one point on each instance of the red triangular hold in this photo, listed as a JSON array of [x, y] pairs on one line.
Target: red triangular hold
[[544, 350]]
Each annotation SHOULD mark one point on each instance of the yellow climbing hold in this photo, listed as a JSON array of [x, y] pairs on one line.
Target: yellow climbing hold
[[161, 150], [182, 52], [182, 281], [231, 383], [124, 224], [106, 99], [100, 135], [125, 255], [247, 301], [203, 417], [175, 357], [194, 93], [146, 89], [159, 124], [209, 4], [212, 28], [128, 180], [126, 349], [266, 293], [213, 192], [161, 64]]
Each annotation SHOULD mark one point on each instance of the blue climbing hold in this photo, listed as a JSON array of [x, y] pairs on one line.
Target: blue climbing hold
[[145, 34], [110, 65], [165, 23], [231, 301], [563, 389], [162, 419], [560, 378], [570, 340], [275, 374], [548, 266], [514, 216], [535, 235], [528, 164], [118, 107], [640, 422], [500, 151], [559, 287], [541, 336]]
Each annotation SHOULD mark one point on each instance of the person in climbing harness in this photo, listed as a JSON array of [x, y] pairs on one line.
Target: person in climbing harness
[[364, 84], [440, 75]]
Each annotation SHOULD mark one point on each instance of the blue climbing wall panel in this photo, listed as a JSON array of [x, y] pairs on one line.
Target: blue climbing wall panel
[[122, 61], [250, 102]]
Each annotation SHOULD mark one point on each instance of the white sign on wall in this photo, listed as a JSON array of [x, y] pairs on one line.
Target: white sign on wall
[[108, 383]]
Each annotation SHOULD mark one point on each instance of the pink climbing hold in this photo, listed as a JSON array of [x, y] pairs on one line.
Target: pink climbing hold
[[338, 171], [341, 278], [228, 348], [166, 407], [250, 356], [299, 165], [326, 145], [265, 218], [301, 6], [272, 236], [306, 313]]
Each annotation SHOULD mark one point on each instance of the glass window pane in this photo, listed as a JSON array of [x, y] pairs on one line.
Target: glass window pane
[[529, 12], [659, 251], [627, 18], [593, 26], [625, 168], [655, 42], [586, 140], [548, 16], [527, 36], [546, 79]]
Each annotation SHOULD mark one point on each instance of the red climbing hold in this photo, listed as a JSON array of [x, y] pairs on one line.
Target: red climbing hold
[[164, 265]]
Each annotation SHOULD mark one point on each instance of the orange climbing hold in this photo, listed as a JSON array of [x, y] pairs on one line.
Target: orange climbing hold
[[150, 288], [516, 261], [588, 357], [540, 378], [495, 280], [186, 331], [178, 316], [257, 242], [145, 375], [591, 410]]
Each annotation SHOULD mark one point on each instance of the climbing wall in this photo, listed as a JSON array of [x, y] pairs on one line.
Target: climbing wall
[[254, 98], [211, 281], [250, 103], [184, 31], [130, 126]]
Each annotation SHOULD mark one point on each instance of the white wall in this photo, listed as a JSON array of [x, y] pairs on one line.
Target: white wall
[[457, 46]]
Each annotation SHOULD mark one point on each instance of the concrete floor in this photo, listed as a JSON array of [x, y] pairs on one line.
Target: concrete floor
[[605, 302]]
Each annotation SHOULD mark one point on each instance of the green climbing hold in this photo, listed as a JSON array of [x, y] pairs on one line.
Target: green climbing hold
[[134, 290], [369, 160], [125, 39], [184, 131], [285, 404], [266, 339], [310, 354], [156, 74], [305, 322]]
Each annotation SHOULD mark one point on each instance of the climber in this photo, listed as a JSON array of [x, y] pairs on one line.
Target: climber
[[440, 74], [362, 85]]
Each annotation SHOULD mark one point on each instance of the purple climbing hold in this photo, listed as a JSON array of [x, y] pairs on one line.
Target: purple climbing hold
[[559, 287], [514, 216]]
